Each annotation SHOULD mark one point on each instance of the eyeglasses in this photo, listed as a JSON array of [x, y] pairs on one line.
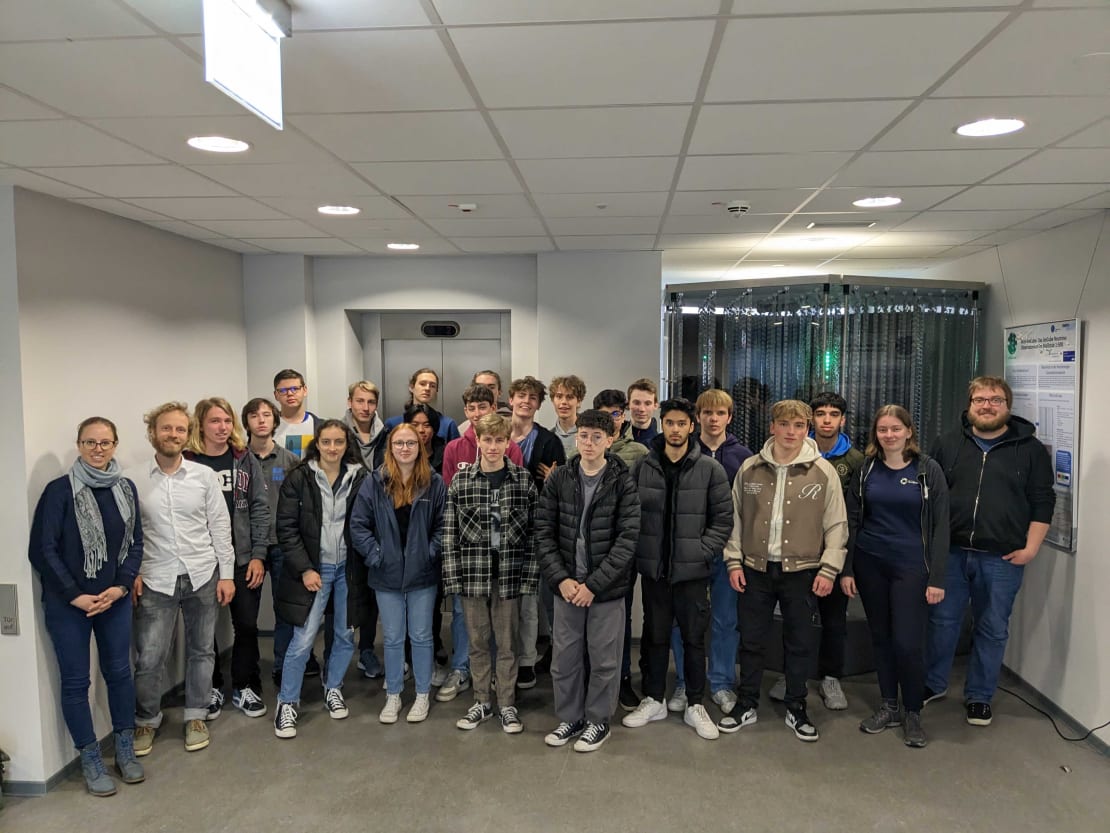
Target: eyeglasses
[[616, 414], [404, 443], [91, 444], [983, 400], [290, 389], [590, 439]]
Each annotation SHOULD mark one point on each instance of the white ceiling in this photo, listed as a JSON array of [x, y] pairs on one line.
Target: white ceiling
[[579, 125]]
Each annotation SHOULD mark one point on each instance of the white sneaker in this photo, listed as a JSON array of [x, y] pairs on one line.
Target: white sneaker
[[439, 676], [778, 690], [678, 702], [725, 698], [456, 681], [832, 694], [730, 724], [697, 717], [391, 710], [649, 709], [419, 711]]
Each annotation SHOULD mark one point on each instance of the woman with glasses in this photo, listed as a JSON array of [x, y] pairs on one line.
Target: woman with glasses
[[426, 420], [397, 527], [314, 532], [897, 549], [87, 545]]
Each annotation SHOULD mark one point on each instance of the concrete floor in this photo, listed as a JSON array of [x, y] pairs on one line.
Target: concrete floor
[[358, 775]]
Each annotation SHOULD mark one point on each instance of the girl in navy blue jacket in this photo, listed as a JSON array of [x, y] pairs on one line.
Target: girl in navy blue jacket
[[86, 545], [397, 528]]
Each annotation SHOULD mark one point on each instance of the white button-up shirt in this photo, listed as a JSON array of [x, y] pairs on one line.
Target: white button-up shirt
[[186, 527]]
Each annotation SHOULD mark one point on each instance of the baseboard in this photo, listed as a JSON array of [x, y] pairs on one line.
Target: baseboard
[[1041, 701]]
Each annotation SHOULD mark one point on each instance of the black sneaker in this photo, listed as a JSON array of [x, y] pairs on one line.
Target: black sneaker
[[595, 735], [629, 699], [510, 721], [931, 695], [312, 669], [979, 714], [798, 720], [285, 721], [564, 732], [526, 677], [478, 714], [215, 704]]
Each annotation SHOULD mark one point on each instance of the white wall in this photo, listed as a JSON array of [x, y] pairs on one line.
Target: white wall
[[1061, 623], [277, 315], [114, 317]]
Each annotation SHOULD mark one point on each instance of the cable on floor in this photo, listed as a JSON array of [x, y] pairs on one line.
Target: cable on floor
[[1052, 720]]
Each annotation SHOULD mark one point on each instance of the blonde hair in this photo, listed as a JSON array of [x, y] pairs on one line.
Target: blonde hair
[[151, 417], [365, 385], [400, 492], [196, 434], [493, 425], [791, 409], [713, 398]]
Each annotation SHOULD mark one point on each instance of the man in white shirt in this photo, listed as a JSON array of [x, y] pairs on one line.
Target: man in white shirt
[[298, 424], [188, 565]]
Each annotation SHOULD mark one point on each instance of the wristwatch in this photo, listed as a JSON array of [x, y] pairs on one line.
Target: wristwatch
[[124, 588]]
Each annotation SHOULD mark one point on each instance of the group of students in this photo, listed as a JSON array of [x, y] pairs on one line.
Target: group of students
[[531, 530]]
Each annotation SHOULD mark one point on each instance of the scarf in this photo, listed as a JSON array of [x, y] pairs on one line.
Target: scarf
[[83, 478]]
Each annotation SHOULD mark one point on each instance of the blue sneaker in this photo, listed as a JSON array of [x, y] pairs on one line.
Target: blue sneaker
[[370, 665]]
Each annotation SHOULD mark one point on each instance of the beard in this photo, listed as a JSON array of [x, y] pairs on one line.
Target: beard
[[169, 448], [987, 422]]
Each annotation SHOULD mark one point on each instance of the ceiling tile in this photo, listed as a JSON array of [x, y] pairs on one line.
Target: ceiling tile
[[122, 209], [760, 171], [895, 253], [1061, 165], [1096, 136], [932, 124], [794, 6], [1058, 218], [440, 177], [288, 180], [171, 16], [428, 246], [883, 221], [184, 229], [642, 204], [307, 246], [489, 205], [577, 176], [138, 181], [63, 142], [999, 238], [1101, 200], [604, 63], [993, 197], [351, 14], [920, 167], [953, 220], [209, 208], [344, 72], [14, 107], [914, 198], [471, 226], [924, 238], [167, 137], [762, 202], [569, 226], [261, 228], [791, 128], [1057, 38], [22, 20], [722, 223], [811, 242], [856, 56], [738, 243], [42, 184], [599, 131], [376, 137], [619, 242], [503, 244], [305, 207], [347, 227], [100, 78], [454, 12], [238, 246]]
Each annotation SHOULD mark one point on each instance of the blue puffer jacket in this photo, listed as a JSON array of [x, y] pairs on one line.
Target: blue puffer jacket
[[377, 538]]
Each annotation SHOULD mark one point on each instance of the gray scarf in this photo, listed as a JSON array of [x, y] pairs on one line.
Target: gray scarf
[[83, 478]]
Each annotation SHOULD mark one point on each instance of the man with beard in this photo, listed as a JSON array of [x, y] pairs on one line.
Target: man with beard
[[1001, 500], [188, 565]]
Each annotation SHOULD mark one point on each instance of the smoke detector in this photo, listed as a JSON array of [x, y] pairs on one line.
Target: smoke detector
[[464, 207], [736, 206]]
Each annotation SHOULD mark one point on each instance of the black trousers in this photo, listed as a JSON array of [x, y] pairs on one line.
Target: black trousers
[[834, 632], [244, 651], [755, 610], [893, 594], [664, 603]]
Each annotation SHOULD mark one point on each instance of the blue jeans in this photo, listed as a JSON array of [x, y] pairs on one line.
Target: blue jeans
[[408, 614], [155, 621], [460, 641], [333, 584], [724, 639], [70, 630], [991, 585], [283, 631]]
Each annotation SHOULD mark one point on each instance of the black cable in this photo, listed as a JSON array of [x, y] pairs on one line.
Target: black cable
[[1052, 720]]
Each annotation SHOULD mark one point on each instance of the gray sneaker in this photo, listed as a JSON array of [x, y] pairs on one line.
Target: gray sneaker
[[833, 694], [912, 733], [456, 681], [888, 715], [678, 702]]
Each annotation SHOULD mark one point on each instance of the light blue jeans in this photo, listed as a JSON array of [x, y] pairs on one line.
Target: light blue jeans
[[410, 614], [723, 636], [333, 578], [991, 585], [460, 641]]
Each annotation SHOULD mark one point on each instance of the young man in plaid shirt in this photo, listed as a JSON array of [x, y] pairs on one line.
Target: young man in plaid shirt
[[489, 561]]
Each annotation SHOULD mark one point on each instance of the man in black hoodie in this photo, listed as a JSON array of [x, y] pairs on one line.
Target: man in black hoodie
[[686, 519], [1001, 498]]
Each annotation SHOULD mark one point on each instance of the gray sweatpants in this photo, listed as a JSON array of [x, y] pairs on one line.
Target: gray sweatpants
[[599, 629]]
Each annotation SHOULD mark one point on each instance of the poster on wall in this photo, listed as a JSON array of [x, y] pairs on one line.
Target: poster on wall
[[1043, 368]]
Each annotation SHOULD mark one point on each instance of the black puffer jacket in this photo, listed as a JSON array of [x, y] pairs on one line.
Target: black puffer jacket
[[613, 526], [299, 518], [701, 514]]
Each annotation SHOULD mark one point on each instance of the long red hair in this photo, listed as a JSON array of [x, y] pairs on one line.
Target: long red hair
[[401, 492]]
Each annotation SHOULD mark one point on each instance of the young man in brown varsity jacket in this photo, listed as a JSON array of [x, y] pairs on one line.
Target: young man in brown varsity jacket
[[787, 545]]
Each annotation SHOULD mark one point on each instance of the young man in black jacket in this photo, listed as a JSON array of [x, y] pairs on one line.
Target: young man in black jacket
[[587, 525], [687, 517], [1001, 500]]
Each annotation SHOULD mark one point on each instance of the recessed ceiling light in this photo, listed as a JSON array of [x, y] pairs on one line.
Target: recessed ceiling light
[[404, 247], [877, 202], [990, 127], [218, 144], [339, 210]]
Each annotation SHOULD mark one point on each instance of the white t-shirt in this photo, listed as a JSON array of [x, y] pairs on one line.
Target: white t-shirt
[[296, 437]]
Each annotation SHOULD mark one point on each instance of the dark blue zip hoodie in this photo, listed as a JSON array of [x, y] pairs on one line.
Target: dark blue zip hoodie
[[731, 454]]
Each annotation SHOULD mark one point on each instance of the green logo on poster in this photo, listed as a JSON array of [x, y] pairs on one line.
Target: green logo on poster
[[1011, 344]]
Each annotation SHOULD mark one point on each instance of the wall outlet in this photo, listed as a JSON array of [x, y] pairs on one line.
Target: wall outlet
[[9, 610]]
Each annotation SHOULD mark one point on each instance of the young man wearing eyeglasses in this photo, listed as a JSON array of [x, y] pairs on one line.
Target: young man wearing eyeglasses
[[298, 424], [1001, 499]]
